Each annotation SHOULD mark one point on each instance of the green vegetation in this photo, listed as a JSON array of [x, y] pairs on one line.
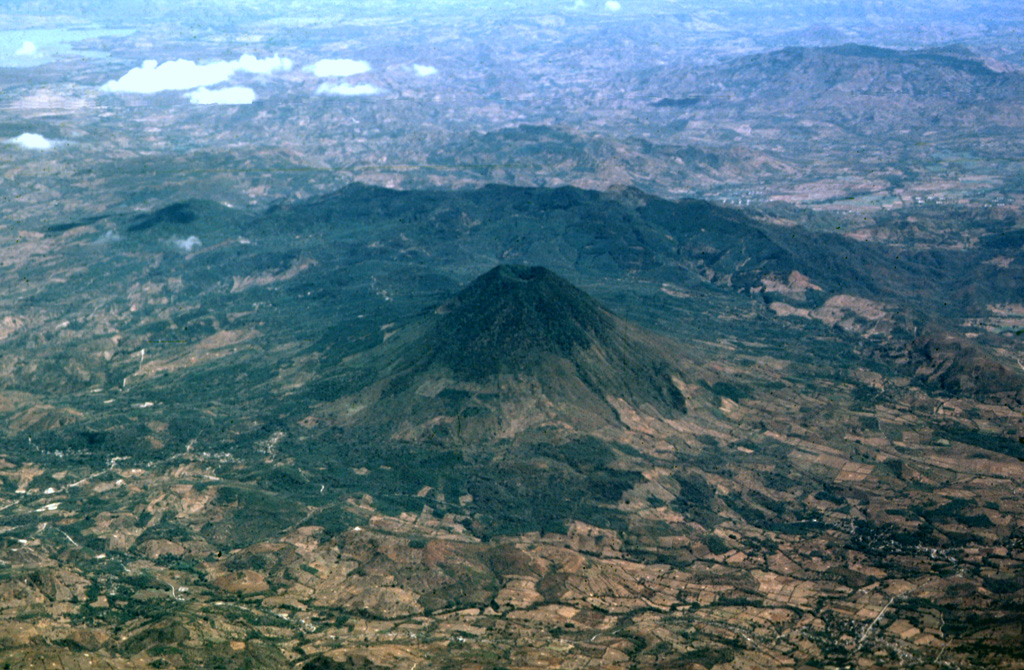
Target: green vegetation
[[256, 515], [517, 498], [334, 519], [999, 443], [734, 391], [715, 544]]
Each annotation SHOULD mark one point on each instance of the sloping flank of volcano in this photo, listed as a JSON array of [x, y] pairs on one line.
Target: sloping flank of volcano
[[513, 319], [519, 349]]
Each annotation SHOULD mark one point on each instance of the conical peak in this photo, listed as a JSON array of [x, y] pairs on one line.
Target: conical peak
[[513, 286], [524, 273], [519, 348], [509, 276], [512, 317]]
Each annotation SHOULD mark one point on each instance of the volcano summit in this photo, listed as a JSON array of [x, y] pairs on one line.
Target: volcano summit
[[513, 319], [519, 348]]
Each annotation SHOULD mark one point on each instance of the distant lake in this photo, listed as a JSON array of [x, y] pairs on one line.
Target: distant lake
[[49, 43]]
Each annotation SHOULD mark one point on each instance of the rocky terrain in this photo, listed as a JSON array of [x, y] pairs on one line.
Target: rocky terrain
[[304, 441]]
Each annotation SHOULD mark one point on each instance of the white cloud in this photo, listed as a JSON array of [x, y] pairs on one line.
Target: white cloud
[[188, 244], [613, 5], [248, 63], [183, 75], [347, 89], [425, 70], [27, 49], [32, 141], [232, 95], [340, 67], [176, 75]]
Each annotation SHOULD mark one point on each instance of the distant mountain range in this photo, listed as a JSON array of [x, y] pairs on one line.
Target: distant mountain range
[[853, 128], [858, 88]]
